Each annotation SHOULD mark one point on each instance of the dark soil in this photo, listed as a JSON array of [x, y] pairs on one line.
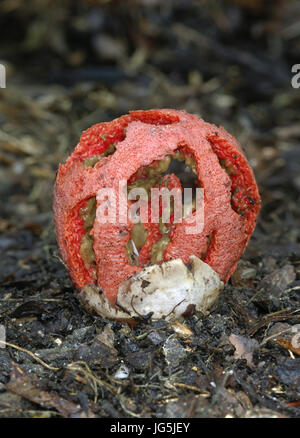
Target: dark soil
[[75, 63]]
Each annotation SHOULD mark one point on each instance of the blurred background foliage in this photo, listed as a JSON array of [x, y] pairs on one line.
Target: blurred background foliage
[[71, 64]]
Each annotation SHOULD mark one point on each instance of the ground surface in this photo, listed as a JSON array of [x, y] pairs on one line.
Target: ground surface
[[74, 65]]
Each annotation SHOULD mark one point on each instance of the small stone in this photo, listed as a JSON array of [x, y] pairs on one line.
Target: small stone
[[277, 281], [122, 372], [244, 348], [288, 372], [173, 351], [155, 338], [139, 360]]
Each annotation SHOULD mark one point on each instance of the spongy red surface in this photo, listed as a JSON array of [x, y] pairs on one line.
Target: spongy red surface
[[231, 203]]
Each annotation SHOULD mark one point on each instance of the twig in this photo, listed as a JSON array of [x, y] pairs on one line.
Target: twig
[[30, 354]]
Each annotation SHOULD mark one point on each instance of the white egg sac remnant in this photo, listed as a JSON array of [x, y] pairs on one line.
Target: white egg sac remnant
[[167, 290]]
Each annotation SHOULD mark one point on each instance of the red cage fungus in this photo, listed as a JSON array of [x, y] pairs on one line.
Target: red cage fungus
[[139, 148]]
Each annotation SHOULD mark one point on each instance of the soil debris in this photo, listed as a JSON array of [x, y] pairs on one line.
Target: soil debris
[[85, 62]]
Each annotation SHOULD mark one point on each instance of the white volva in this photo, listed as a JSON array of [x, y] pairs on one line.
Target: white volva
[[166, 289]]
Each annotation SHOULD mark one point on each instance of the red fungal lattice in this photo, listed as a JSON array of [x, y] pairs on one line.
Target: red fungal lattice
[[231, 199]]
